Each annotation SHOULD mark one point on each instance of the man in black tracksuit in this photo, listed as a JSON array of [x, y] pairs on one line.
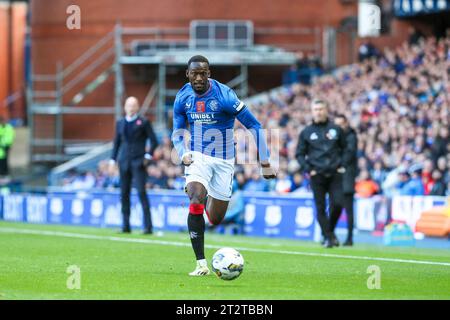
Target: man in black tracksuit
[[350, 174], [132, 133], [321, 153]]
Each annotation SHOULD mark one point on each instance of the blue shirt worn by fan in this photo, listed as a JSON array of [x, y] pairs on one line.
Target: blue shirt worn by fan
[[211, 120]]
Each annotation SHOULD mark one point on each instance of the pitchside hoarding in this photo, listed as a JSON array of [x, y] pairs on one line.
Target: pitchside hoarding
[[284, 216]]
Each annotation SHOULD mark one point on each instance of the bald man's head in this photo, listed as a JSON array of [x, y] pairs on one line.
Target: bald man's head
[[131, 106]]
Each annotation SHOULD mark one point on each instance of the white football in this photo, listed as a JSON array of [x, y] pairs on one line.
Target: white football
[[227, 263]]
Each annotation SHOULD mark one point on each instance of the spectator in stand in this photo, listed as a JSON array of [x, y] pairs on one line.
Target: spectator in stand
[[256, 183], [444, 168], [438, 187], [300, 184], [414, 186], [403, 179], [427, 178], [365, 187], [283, 183], [397, 101], [84, 181], [415, 36], [175, 178], [239, 177], [7, 136], [378, 173], [440, 146], [155, 179], [366, 51], [112, 180]]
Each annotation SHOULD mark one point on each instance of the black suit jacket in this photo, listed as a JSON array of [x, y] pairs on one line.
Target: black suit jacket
[[351, 168], [133, 150]]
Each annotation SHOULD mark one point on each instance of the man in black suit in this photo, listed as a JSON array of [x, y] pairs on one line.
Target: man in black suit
[[132, 133], [349, 176]]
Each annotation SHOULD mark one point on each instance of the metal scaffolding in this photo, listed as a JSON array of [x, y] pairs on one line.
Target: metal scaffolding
[[112, 53]]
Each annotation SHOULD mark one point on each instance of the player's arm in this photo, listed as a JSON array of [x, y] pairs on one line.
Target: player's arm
[[252, 124], [233, 105], [351, 149], [345, 157], [301, 152], [116, 145], [179, 129], [152, 137]]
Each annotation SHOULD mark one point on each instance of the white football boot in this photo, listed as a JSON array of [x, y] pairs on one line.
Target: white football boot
[[201, 269]]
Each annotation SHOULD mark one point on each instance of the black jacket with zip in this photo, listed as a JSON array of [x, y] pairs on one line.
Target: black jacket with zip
[[322, 147]]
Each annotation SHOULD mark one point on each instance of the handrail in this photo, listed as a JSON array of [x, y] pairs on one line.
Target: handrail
[[149, 98], [45, 93], [87, 70], [79, 160], [153, 30], [87, 54], [43, 77]]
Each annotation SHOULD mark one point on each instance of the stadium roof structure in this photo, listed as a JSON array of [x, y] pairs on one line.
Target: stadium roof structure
[[258, 55]]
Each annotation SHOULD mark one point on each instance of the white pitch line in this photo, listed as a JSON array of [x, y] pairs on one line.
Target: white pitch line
[[185, 244]]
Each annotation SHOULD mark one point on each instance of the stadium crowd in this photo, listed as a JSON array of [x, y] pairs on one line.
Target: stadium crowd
[[396, 99]]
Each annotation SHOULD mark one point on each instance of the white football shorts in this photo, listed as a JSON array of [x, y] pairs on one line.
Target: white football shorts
[[215, 174]]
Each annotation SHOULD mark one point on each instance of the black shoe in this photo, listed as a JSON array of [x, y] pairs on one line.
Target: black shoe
[[125, 230], [328, 243], [148, 231], [334, 240], [348, 243]]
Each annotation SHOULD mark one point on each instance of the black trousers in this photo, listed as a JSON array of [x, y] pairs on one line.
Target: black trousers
[[322, 185], [4, 165], [134, 170], [348, 199], [348, 205]]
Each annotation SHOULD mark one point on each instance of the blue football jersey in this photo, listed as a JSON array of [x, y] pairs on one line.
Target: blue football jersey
[[211, 118]]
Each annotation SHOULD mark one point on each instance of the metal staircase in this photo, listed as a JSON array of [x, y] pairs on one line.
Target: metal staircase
[[52, 96]]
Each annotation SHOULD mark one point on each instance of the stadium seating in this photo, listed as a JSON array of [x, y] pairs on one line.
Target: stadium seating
[[397, 102]]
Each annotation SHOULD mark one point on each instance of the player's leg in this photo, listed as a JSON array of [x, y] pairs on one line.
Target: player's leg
[[125, 189], [348, 204], [196, 192], [216, 210], [336, 204], [319, 189], [140, 176], [198, 175], [220, 189]]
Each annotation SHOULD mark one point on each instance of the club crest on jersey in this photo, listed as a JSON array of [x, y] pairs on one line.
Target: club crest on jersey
[[331, 134], [213, 105], [313, 136], [200, 106]]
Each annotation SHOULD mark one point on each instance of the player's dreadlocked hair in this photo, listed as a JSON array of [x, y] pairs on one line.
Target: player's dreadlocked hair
[[198, 58]]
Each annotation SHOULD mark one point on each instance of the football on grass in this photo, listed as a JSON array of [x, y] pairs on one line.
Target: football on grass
[[227, 263]]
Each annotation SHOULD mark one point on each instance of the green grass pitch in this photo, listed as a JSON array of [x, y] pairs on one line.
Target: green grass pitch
[[34, 260]]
